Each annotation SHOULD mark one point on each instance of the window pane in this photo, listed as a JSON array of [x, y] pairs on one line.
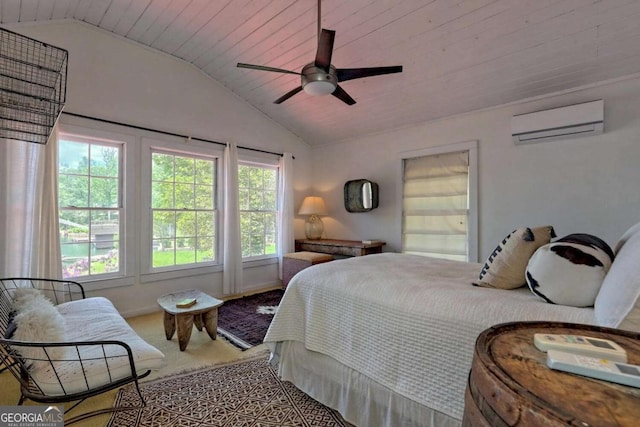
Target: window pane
[[74, 243], [162, 195], [104, 161], [185, 224], [204, 172], [270, 200], [255, 200], [104, 192], [164, 225], [105, 228], [164, 257], [163, 247], [185, 171], [73, 157], [73, 190], [205, 223], [185, 251], [185, 196], [243, 198], [161, 167], [204, 197], [270, 178], [206, 249], [270, 223]]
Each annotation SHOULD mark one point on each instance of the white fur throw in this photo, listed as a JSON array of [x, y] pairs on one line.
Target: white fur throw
[[25, 297], [570, 270], [37, 320]]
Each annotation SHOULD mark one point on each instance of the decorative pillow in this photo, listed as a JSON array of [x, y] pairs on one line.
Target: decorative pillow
[[37, 320], [570, 270], [618, 302], [505, 268]]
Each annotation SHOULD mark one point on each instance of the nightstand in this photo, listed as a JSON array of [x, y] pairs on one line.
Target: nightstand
[[510, 383]]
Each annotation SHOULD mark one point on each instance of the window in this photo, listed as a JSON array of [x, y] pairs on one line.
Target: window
[[258, 197], [183, 210], [438, 204], [90, 206]]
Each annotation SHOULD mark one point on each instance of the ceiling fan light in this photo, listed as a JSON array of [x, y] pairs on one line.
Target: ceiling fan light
[[317, 88]]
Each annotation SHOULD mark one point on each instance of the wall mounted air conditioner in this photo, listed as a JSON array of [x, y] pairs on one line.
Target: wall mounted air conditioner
[[564, 122]]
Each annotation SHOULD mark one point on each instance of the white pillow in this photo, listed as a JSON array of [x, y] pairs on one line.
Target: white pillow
[[618, 302], [37, 320], [635, 229], [570, 270]]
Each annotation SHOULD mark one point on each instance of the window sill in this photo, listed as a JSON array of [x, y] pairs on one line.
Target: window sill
[[98, 284], [176, 274], [251, 263]]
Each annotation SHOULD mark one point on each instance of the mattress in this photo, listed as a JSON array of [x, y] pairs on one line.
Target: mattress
[[407, 322]]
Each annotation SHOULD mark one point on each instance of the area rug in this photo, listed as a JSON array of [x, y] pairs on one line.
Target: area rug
[[246, 393], [244, 321]]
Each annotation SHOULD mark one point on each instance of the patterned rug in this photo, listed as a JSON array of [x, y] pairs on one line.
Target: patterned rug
[[246, 393], [244, 321]]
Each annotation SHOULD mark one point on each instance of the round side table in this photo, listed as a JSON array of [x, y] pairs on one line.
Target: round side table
[[511, 385]]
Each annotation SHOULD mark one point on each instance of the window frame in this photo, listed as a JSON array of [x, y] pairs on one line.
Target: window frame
[[472, 148], [195, 149], [262, 163], [125, 275]]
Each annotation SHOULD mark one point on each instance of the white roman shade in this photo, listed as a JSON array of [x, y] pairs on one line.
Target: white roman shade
[[436, 206]]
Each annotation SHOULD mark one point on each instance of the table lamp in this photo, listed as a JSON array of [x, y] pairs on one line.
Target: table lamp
[[313, 206]]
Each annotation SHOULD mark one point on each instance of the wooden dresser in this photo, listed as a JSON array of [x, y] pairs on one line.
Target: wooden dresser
[[340, 247], [511, 385]]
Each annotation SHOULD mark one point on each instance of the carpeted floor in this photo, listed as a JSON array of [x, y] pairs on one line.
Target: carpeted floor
[[246, 393], [244, 321]]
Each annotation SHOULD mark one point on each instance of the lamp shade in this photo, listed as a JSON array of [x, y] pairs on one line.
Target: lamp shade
[[312, 205]]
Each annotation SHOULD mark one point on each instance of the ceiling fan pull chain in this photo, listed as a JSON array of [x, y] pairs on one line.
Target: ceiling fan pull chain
[[319, 24]]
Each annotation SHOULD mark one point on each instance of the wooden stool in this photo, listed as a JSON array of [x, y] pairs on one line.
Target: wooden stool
[[294, 262], [203, 313]]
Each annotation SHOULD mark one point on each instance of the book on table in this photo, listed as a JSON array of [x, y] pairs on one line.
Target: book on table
[[186, 303]]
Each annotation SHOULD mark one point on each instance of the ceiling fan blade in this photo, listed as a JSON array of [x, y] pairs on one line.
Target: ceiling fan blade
[[287, 95], [263, 68], [358, 73], [343, 96], [325, 49]]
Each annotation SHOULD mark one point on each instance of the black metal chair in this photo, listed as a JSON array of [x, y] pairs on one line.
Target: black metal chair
[[59, 291]]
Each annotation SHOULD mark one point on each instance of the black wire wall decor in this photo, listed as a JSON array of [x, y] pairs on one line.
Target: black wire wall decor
[[33, 86]]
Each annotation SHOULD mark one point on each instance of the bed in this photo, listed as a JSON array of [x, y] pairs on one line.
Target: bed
[[387, 340]]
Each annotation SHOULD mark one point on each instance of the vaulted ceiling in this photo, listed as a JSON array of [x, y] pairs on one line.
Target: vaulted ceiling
[[458, 55]]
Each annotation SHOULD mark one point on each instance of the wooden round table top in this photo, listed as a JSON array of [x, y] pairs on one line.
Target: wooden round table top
[[510, 383]]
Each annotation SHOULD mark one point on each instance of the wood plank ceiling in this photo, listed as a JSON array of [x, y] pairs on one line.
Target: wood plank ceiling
[[458, 55]]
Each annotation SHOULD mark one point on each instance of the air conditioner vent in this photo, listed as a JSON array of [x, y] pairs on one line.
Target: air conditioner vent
[[564, 122]]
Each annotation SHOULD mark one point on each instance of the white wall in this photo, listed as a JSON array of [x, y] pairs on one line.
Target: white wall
[[112, 78], [583, 185]]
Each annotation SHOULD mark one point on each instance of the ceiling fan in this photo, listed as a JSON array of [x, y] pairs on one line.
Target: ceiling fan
[[320, 77]]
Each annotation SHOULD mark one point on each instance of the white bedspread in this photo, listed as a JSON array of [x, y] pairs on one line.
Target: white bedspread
[[408, 322]]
